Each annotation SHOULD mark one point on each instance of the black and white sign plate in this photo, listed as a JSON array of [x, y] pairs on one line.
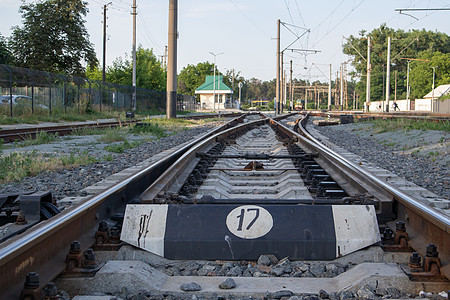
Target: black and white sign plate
[[233, 232]]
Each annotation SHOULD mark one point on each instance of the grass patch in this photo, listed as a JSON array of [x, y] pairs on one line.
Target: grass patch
[[120, 148], [407, 125], [113, 135], [149, 128], [17, 166], [42, 137], [433, 153]]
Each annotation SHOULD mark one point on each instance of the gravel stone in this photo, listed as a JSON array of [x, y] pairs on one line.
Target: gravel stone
[[393, 292], [190, 287], [366, 293], [279, 294], [267, 260], [229, 283], [317, 269], [323, 295]]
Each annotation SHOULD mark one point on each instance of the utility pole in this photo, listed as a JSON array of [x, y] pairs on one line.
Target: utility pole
[[240, 87], [291, 91], [329, 91], [388, 73], [232, 88], [214, 79], [133, 92], [369, 67], [277, 100], [306, 99], [165, 58], [433, 108], [285, 90], [171, 102], [342, 87], [281, 82], [104, 41], [395, 96], [407, 87]]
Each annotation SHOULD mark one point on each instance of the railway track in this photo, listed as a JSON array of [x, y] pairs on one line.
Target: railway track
[[250, 188], [17, 134]]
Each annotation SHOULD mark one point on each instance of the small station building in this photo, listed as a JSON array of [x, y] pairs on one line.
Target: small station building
[[222, 91]]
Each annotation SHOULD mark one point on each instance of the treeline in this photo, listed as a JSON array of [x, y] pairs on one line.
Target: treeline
[[423, 49], [53, 38]]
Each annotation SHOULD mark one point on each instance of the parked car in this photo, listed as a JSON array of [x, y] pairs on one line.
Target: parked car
[[20, 100]]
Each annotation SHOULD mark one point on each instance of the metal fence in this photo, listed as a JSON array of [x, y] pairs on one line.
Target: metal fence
[[25, 91]]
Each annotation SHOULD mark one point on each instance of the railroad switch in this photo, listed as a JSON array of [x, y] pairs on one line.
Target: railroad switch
[[80, 264], [107, 240], [398, 242], [429, 270], [31, 289]]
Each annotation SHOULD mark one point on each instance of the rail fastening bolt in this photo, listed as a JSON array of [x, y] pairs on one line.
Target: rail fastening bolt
[[432, 251], [400, 226], [32, 280]]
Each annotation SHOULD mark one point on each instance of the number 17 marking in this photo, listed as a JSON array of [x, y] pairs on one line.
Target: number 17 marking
[[241, 218]]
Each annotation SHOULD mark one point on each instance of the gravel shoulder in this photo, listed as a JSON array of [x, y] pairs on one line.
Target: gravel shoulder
[[70, 182], [418, 156]]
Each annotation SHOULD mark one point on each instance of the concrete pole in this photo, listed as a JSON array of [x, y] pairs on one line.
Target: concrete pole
[[433, 108], [214, 85], [291, 102], [133, 92], [281, 83], [388, 73], [329, 91], [172, 61], [369, 67], [341, 96], [104, 42], [277, 94], [240, 87], [285, 90], [407, 86], [306, 99]]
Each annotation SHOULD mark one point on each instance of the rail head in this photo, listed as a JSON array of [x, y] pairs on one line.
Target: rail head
[[437, 218]]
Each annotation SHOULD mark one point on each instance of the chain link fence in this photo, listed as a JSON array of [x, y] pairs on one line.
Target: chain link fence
[[25, 91]]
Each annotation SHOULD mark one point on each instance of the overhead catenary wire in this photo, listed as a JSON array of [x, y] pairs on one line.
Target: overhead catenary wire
[[337, 24], [250, 20]]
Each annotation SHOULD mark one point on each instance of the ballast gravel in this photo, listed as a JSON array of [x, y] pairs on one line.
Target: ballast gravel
[[398, 152], [69, 182]]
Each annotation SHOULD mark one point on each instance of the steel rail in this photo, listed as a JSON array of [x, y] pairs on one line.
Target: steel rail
[[425, 225], [43, 248], [438, 218], [10, 135]]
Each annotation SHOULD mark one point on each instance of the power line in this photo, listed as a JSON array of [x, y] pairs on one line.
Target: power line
[[250, 20], [300, 14], [147, 32], [342, 20], [290, 15]]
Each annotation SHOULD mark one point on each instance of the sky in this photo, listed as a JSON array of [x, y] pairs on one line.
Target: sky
[[244, 31]]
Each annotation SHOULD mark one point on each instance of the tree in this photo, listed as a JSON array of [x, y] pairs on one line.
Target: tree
[[191, 77], [53, 37], [403, 45], [5, 54], [149, 72], [421, 74]]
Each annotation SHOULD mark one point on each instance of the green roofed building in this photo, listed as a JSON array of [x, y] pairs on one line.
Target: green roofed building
[[222, 91]]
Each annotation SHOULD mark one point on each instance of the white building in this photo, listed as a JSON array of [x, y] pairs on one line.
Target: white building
[[221, 90]]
